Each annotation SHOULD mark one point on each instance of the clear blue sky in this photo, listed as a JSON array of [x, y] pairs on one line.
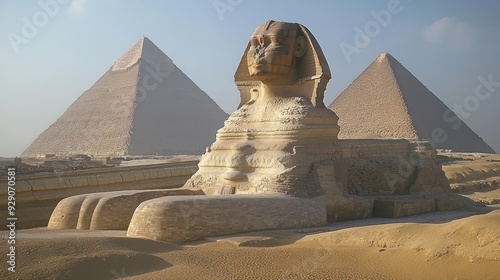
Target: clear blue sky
[[446, 44]]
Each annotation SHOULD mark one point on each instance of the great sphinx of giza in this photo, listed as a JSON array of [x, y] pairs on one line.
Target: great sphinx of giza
[[281, 126], [263, 155], [276, 163], [265, 152]]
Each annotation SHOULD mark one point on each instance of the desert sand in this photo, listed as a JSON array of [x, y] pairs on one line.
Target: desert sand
[[441, 245]]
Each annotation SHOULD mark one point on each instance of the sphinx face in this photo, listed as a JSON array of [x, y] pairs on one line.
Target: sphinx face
[[271, 52]]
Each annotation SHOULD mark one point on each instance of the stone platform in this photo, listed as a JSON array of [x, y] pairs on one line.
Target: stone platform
[[184, 218], [407, 205]]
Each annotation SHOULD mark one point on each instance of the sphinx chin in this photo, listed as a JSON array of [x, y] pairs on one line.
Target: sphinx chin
[[267, 71]]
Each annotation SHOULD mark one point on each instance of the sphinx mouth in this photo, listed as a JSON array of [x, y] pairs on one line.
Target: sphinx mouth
[[259, 62], [259, 65]]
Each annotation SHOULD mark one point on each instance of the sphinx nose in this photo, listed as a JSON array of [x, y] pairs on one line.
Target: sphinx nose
[[259, 50]]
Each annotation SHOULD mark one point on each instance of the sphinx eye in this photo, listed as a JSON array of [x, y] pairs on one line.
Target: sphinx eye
[[254, 41], [281, 38]]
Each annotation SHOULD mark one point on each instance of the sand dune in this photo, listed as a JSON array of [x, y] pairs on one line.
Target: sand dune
[[439, 245], [475, 238]]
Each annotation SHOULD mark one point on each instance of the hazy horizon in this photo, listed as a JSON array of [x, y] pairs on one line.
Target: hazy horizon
[[55, 50]]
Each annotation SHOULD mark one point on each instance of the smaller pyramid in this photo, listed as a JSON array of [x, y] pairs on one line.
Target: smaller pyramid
[[387, 101], [143, 105]]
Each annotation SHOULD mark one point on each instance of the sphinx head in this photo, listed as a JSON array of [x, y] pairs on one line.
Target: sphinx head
[[283, 54], [273, 50]]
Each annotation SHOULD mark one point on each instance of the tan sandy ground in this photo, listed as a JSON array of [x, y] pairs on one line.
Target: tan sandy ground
[[441, 245]]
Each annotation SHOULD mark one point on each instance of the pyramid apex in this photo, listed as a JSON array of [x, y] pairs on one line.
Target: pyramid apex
[[145, 40], [130, 57], [144, 47], [384, 56]]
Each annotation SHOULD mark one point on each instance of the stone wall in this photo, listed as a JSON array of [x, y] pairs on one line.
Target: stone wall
[[389, 167], [366, 176], [340, 205], [394, 207], [407, 205], [37, 196], [183, 218]]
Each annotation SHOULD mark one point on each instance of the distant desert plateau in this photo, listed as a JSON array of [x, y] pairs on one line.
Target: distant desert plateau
[[463, 244]]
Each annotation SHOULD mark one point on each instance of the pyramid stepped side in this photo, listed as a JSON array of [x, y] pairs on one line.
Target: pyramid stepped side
[[373, 107], [98, 122], [429, 114], [172, 114]]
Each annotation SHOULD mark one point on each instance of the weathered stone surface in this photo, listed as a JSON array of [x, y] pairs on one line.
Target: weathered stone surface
[[401, 206], [53, 184], [389, 167], [109, 178], [37, 185], [349, 207], [104, 211], [21, 186], [182, 218], [447, 202], [340, 205], [66, 213]]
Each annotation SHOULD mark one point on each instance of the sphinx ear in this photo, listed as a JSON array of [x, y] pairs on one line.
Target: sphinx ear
[[300, 46]]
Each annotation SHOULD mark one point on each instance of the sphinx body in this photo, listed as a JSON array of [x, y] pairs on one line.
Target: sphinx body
[[269, 146]]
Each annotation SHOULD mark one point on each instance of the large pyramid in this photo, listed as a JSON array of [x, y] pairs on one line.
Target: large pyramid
[[143, 105], [387, 101]]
